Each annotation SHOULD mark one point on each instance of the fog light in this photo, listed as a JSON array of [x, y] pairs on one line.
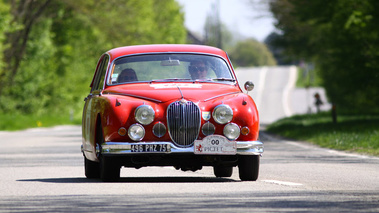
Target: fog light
[[245, 130], [231, 131], [136, 132], [159, 129], [208, 129], [122, 131]]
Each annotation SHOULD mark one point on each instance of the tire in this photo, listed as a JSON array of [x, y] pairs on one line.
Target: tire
[[248, 167], [109, 169], [223, 171], [91, 169]]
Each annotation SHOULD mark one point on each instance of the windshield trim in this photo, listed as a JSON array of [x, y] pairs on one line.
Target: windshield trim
[[112, 66]]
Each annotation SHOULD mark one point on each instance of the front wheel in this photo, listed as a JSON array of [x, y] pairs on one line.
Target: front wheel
[[91, 169], [223, 171], [109, 169], [248, 166]]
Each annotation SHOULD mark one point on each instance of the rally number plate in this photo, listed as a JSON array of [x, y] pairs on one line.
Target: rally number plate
[[150, 148], [215, 145]]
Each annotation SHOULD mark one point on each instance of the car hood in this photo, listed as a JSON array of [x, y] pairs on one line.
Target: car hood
[[163, 92]]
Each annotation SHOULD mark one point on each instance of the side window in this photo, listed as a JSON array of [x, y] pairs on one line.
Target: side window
[[100, 74]]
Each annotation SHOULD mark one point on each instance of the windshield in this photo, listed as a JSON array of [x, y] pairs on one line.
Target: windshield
[[170, 67]]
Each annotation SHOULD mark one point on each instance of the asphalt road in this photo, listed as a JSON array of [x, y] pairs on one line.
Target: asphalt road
[[41, 170], [276, 95]]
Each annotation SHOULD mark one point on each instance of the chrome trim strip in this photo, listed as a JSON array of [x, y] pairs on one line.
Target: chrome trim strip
[[134, 96], [217, 96], [124, 148]]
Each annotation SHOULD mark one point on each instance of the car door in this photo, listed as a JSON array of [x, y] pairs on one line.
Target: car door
[[91, 108]]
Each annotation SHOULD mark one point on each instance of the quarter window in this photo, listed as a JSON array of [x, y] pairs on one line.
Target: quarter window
[[100, 74]]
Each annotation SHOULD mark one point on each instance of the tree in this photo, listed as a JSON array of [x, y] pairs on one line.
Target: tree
[[251, 53], [217, 33], [341, 38], [25, 14], [52, 46]]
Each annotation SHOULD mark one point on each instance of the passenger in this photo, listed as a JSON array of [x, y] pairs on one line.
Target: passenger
[[127, 75], [198, 70]]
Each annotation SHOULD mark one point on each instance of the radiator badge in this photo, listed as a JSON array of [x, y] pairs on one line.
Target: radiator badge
[[206, 115]]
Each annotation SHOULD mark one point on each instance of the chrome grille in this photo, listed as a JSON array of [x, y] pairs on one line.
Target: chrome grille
[[183, 121]]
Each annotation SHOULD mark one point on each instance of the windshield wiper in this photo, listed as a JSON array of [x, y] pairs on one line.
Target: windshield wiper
[[170, 79], [223, 79]]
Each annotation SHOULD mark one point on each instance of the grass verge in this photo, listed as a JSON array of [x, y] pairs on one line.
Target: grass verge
[[354, 133], [12, 122]]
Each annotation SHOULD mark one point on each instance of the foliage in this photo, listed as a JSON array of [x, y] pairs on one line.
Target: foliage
[[307, 76], [357, 133], [15, 121], [217, 33], [4, 27], [251, 53], [341, 37], [50, 66]]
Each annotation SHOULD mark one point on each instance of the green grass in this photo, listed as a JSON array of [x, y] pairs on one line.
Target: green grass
[[12, 122], [354, 133]]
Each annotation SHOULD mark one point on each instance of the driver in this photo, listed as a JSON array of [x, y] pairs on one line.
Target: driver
[[127, 75], [198, 70]]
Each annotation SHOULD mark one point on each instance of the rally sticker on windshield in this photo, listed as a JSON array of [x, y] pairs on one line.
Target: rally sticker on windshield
[[165, 86]]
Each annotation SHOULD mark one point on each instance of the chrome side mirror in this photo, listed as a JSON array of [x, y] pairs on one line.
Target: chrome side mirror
[[249, 86]]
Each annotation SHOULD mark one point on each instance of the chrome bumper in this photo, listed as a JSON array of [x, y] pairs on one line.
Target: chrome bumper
[[243, 148]]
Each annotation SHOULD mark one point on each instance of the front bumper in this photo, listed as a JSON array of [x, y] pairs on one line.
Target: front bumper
[[124, 148]]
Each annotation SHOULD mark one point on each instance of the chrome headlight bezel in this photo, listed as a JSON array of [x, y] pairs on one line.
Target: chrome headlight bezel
[[232, 131], [222, 114], [144, 114]]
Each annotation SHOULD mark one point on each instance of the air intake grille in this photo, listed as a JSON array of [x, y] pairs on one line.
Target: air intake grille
[[183, 120]]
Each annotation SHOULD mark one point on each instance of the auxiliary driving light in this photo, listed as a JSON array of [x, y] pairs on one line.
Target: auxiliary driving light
[[231, 131], [136, 132]]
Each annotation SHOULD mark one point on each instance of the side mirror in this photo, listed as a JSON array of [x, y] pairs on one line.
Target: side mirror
[[249, 86]]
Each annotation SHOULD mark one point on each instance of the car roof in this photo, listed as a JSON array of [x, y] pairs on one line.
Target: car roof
[[161, 48]]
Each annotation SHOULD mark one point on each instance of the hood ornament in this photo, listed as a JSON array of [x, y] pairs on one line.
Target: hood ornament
[[183, 101]]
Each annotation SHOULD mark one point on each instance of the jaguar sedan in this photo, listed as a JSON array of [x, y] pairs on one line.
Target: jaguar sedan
[[169, 105]]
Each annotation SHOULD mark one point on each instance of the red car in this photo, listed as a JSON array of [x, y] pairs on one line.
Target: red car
[[169, 105]]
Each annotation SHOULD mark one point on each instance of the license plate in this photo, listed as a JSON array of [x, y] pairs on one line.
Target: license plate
[[216, 145], [150, 148]]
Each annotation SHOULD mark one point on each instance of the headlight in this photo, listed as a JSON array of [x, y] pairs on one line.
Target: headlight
[[136, 132], [231, 131], [144, 114], [222, 114]]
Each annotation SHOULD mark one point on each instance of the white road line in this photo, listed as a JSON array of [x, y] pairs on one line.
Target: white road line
[[286, 92], [282, 183], [335, 152]]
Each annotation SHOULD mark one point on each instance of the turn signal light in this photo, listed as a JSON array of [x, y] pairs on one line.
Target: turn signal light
[[245, 130], [122, 131]]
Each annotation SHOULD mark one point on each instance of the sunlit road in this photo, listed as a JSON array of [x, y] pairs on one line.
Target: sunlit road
[[41, 170], [276, 95]]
